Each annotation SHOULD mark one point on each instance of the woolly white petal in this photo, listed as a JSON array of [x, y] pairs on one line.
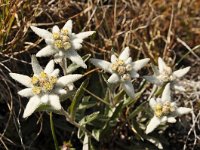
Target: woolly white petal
[[55, 29], [37, 69], [152, 103], [134, 74], [49, 67], [74, 57], [171, 120], [161, 65], [55, 72], [163, 119], [113, 58], [58, 58], [181, 72], [77, 43], [179, 88], [137, 65], [125, 54], [173, 105], [61, 53], [45, 98], [27, 92], [153, 124], [46, 51], [63, 81], [183, 110], [128, 87], [166, 95], [84, 35], [128, 61], [42, 32], [114, 78], [153, 79], [23, 79], [155, 141], [60, 91], [105, 65], [50, 42], [68, 26], [32, 105], [54, 102], [158, 100], [70, 86]]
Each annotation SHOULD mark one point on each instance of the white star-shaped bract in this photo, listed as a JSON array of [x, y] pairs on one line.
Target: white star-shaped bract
[[164, 110], [62, 43], [164, 74], [122, 69], [45, 86]]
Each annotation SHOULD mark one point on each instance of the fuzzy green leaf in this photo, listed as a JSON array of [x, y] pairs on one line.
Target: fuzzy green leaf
[[73, 67], [89, 118], [137, 110], [76, 100]]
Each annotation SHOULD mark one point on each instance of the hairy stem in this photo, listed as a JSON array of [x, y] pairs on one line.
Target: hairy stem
[[53, 132], [69, 119]]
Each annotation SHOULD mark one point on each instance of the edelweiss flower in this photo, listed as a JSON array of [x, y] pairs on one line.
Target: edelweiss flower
[[164, 74], [62, 43], [44, 87], [122, 69], [164, 110]]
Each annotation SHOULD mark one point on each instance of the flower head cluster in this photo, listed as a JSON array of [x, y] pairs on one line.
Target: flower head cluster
[[61, 39], [43, 83], [164, 110], [122, 69], [164, 74], [62, 43], [44, 87]]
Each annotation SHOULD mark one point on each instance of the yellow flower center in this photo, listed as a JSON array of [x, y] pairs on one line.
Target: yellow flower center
[[64, 31], [62, 40], [56, 35], [166, 75], [48, 86], [36, 90], [128, 67], [43, 83], [58, 44], [158, 113], [158, 107], [43, 75], [34, 80], [53, 79], [163, 109], [126, 77], [122, 69]]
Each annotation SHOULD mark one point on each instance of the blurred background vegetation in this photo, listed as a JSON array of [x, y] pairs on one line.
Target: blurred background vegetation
[[151, 28]]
